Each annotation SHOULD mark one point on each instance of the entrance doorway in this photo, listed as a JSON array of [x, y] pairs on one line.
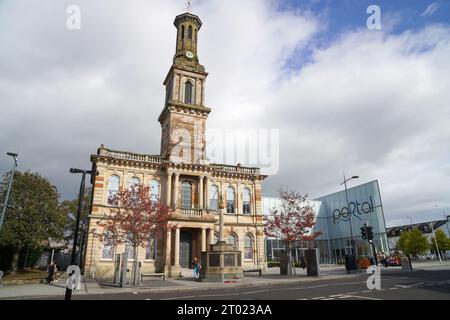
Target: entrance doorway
[[185, 249]]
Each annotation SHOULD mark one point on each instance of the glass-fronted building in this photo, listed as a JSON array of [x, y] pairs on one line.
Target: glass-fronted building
[[338, 219]]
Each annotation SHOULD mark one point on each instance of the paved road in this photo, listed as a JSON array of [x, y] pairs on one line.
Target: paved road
[[424, 284]]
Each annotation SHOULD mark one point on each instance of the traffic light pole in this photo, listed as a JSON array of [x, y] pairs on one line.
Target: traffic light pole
[[366, 233]]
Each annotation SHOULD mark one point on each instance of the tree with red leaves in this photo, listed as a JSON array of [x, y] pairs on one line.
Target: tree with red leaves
[[136, 217], [293, 220]]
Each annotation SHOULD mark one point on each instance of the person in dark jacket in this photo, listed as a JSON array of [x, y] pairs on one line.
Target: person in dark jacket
[[51, 272]]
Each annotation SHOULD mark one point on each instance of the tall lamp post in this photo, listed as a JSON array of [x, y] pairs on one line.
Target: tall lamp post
[[68, 295], [411, 223], [5, 205], [350, 216]]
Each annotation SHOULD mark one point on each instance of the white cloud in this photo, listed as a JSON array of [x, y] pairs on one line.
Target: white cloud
[[371, 103], [431, 9]]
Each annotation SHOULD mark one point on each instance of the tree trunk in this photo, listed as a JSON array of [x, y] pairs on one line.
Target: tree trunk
[[135, 269], [26, 257], [15, 260]]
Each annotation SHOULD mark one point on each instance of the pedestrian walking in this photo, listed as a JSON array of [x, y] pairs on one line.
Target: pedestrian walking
[[51, 272], [55, 272], [197, 268]]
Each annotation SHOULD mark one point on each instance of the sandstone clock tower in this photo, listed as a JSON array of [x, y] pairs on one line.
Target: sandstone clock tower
[[184, 115]]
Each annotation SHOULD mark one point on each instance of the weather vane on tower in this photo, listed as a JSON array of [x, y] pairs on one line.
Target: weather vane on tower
[[188, 6]]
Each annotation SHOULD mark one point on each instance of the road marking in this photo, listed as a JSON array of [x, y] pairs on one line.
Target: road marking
[[218, 295], [328, 299], [148, 299], [366, 291], [250, 292], [411, 285], [353, 292], [174, 298], [393, 288], [336, 295], [302, 299], [135, 292], [361, 297], [317, 298]]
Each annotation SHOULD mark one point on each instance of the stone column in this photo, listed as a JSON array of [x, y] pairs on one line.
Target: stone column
[[169, 189], [206, 193], [168, 247], [175, 190], [200, 193], [211, 236], [238, 199], [203, 239], [221, 224], [177, 247]]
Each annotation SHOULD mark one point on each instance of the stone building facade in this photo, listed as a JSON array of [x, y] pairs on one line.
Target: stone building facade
[[182, 177]]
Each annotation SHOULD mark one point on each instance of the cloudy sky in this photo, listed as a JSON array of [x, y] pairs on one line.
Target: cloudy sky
[[343, 97]]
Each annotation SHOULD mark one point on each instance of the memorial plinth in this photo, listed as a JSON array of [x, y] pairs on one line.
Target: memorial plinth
[[221, 263]]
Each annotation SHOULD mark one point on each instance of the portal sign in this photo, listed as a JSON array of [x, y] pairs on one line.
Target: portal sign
[[354, 208]]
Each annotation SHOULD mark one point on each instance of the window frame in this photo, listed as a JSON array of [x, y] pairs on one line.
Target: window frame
[[183, 184], [248, 236], [211, 195], [112, 244], [151, 185], [154, 247], [232, 202], [247, 204], [188, 88], [109, 190], [235, 239]]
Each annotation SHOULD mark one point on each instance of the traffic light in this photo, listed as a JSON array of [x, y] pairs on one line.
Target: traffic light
[[364, 232], [369, 233]]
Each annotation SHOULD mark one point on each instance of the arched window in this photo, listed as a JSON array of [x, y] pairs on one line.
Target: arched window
[[233, 240], [214, 198], [186, 195], [182, 32], [150, 249], [129, 247], [248, 247], [133, 182], [113, 188], [246, 201], [188, 92], [230, 200], [190, 32], [108, 246], [154, 190]]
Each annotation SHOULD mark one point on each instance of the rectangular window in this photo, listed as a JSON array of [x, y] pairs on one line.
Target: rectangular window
[[108, 252], [214, 204], [150, 249], [248, 253], [230, 206], [246, 207]]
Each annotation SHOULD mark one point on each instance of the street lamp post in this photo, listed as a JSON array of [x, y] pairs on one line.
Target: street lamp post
[[435, 242], [410, 220], [5, 205], [350, 216], [68, 295]]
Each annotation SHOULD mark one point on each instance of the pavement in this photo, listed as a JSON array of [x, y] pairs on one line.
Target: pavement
[[91, 288]]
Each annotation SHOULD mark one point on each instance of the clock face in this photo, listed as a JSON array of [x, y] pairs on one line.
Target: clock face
[[189, 54]]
